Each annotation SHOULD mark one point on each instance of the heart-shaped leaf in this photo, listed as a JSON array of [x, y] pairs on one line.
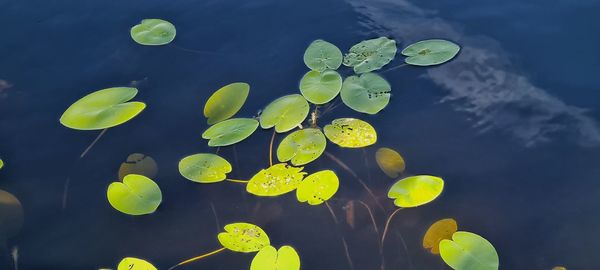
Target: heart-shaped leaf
[[370, 55], [350, 133], [136, 195], [369, 93], [390, 162], [318, 187], [430, 52], [204, 168], [153, 32], [11, 215], [321, 87], [302, 146], [243, 237], [230, 131], [138, 164], [269, 258], [416, 190], [321, 55], [275, 180], [438, 231], [130, 263], [285, 113], [226, 102], [469, 251]]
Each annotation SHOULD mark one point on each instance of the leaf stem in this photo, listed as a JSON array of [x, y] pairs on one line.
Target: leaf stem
[[238, 181], [93, 143], [197, 258], [271, 148], [337, 224], [383, 236]]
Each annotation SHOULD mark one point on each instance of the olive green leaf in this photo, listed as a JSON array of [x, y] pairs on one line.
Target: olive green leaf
[[153, 32], [416, 190], [285, 113], [302, 146], [204, 168], [11, 215], [226, 102], [438, 231], [318, 187], [243, 237], [321, 55], [130, 263], [350, 133], [138, 164], [369, 93], [269, 258], [372, 54], [390, 162], [102, 109], [469, 251], [275, 180], [136, 195], [430, 52], [230, 131], [320, 87]]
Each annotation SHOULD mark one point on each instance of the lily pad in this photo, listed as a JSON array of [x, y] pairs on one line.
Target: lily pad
[[275, 180], [103, 109], [11, 215], [318, 187], [438, 231], [320, 87], [369, 93], [302, 146], [350, 133], [1, 164], [321, 55], [230, 131], [390, 162], [416, 190], [370, 55], [269, 258], [138, 164], [243, 237], [469, 251], [130, 263], [430, 52], [204, 168], [136, 195], [285, 113], [153, 32], [226, 102]]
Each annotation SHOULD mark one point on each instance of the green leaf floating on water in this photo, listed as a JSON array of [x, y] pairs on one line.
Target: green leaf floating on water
[[226, 102], [390, 162], [153, 32], [204, 168], [131, 263], [416, 190], [469, 251], [302, 146], [350, 133], [276, 180], [369, 93], [321, 87], [230, 131], [136, 195], [430, 52], [370, 55], [285, 113], [103, 109], [318, 187], [269, 258], [321, 55], [138, 164], [243, 237], [1, 163], [11, 215]]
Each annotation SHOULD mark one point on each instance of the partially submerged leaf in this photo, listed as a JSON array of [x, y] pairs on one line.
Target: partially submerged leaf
[[320, 87], [230, 131], [138, 164], [11, 215], [131, 263], [153, 32], [390, 162], [275, 180], [302, 146], [243, 237], [416, 190], [559, 268], [369, 93], [285, 113], [136, 195], [469, 251], [350, 132], [226, 102], [318, 187], [269, 258], [438, 231], [430, 52], [204, 168], [103, 109], [370, 55], [321, 55]]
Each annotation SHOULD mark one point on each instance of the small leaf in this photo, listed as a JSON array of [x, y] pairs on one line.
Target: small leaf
[[226, 102], [320, 87], [268, 258], [302, 146], [138, 164], [390, 162], [204, 168], [11, 215], [370, 55], [416, 190], [321, 55], [369, 93], [275, 180], [230, 131], [430, 52], [438, 231], [285, 113], [318, 187], [469, 251], [1, 163], [243, 237], [136, 195], [153, 32], [350, 133], [130, 263]]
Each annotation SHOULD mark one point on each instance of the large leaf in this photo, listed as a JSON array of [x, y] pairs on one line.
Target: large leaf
[[275, 180], [130, 263], [438, 231], [230, 131], [11, 215], [390, 162], [153, 32], [320, 87], [321, 55], [369, 93], [318, 187], [102, 109], [136, 195], [204, 168], [372, 54], [243, 237], [430, 52], [138, 164], [302, 146], [285, 113], [469, 251], [226, 102], [269, 258], [350, 133], [416, 190]]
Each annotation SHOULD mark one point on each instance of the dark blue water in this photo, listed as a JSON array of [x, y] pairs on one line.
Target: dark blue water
[[511, 124]]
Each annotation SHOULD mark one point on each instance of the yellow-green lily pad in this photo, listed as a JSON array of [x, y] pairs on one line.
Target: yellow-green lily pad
[[390, 162], [243, 237], [1, 163], [136, 195], [226, 102], [318, 187], [276, 180], [138, 164], [230, 131], [369, 93], [131, 263], [269, 258], [469, 251], [320, 87], [321, 55], [285, 113], [11, 215], [416, 190], [350, 133], [204, 168], [302, 146], [153, 32], [370, 55], [430, 52]]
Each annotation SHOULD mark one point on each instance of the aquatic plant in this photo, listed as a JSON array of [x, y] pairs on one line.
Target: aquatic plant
[[230, 131], [11, 216], [469, 251], [370, 55], [438, 231], [430, 52], [226, 102], [131, 263], [1, 164], [390, 162], [138, 163], [153, 32], [136, 195]]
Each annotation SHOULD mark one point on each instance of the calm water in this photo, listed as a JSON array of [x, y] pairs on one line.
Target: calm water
[[512, 125]]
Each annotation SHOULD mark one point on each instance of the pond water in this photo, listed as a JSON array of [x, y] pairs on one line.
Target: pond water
[[511, 124]]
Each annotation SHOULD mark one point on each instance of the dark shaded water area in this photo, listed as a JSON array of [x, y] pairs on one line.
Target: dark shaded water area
[[511, 124]]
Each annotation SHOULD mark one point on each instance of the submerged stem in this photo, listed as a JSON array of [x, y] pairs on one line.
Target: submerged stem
[[271, 148], [393, 68], [93, 143], [337, 224], [238, 181], [197, 258], [383, 236]]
